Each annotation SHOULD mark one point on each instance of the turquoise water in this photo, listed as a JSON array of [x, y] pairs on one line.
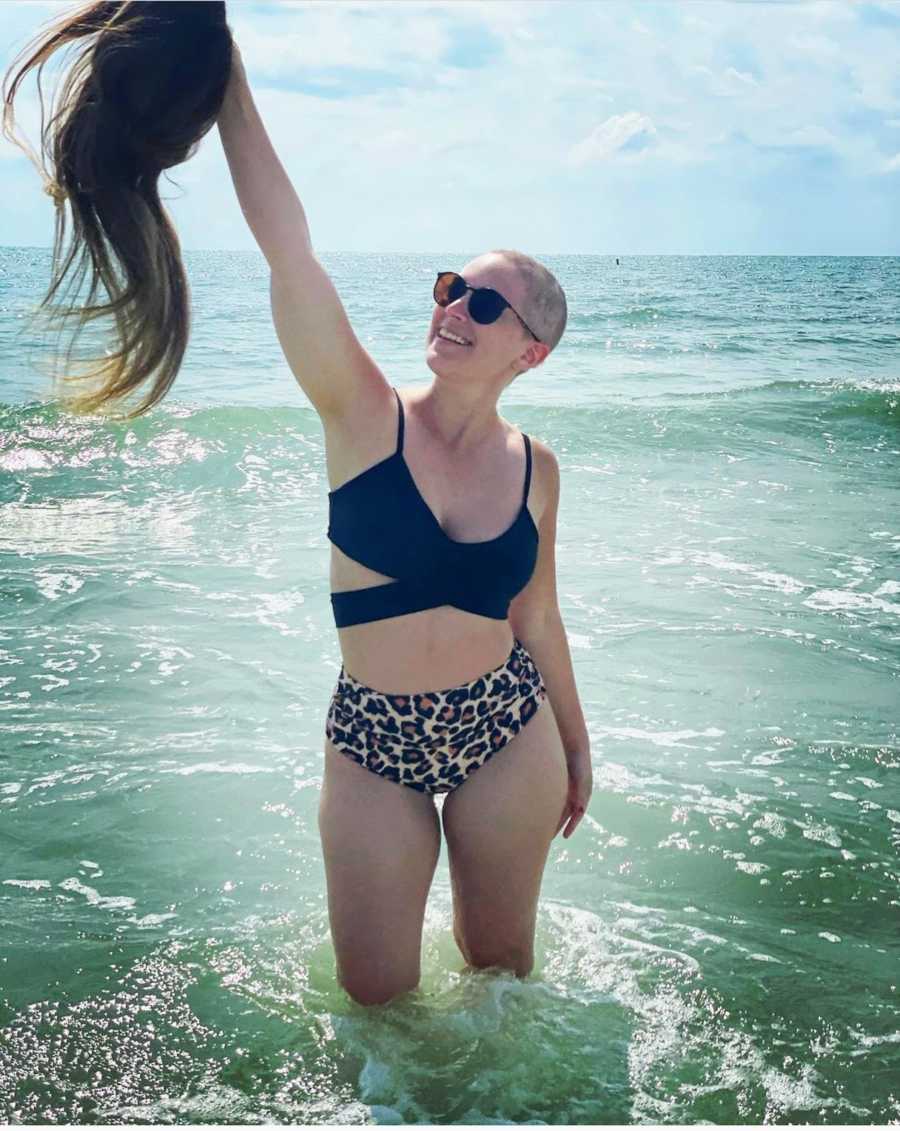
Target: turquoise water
[[718, 941]]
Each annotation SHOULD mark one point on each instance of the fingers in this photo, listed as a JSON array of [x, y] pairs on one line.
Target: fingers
[[577, 812], [573, 812]]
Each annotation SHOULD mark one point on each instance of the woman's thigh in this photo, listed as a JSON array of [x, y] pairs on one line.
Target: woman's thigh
[[499, 825], [381, 841]]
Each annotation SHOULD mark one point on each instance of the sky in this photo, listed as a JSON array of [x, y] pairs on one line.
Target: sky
[[590, 126]]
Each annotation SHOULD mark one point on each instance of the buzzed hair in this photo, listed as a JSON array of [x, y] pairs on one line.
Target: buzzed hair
[[545, 300]]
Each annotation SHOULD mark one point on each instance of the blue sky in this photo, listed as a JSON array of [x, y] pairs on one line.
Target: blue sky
[[557, 127]]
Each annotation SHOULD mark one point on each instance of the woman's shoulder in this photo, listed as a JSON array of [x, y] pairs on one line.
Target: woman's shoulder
[[543, 456], [544, 489]]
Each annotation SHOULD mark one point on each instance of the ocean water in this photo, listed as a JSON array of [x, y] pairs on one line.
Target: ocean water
[[719, 940]]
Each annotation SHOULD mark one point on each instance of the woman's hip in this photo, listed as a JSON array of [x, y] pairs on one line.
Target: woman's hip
[[432, 740]]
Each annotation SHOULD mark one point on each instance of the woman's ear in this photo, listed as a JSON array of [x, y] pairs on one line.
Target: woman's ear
[[534, 355]]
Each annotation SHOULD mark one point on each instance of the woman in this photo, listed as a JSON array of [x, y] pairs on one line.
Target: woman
[[456, 675]]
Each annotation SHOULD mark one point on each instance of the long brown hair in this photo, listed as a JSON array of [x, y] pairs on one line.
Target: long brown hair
[[145, 88]]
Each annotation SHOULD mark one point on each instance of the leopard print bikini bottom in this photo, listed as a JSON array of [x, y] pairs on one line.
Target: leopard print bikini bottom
[[432, 740]]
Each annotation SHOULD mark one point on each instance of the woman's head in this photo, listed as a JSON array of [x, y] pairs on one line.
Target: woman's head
[[499, 351], [146, 86]]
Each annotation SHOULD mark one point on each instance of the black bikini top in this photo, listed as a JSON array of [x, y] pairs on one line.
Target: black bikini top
[[380, 519]]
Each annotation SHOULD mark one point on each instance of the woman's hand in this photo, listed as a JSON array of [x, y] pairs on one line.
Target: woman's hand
[[581, 785], [238, 74], [237, 90]]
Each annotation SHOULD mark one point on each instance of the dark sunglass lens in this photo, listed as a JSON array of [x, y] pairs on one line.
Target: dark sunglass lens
[[486, 306], [448, 288], [457, 287]]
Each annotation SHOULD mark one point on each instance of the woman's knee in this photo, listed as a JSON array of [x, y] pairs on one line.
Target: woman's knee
[[518, 960], [376, 991]]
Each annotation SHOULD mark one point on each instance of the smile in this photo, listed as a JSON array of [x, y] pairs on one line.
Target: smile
[[450, 337]]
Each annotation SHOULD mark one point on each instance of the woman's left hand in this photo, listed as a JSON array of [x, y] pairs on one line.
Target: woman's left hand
[[581, 785]]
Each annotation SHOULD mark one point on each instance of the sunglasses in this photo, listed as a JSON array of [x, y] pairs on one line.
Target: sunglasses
[[486, 305]]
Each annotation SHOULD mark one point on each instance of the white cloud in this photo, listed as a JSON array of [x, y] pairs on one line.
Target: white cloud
[[818, 46], [876, 82], [740, 76], [336, 36], [813, 136], [608, 138], [772, 81], [892, 165]]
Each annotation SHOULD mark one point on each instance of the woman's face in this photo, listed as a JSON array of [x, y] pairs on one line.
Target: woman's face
[[497, 350]]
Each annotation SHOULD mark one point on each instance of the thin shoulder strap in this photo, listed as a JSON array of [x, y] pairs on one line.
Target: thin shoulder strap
[[527, 467], [399, 421]]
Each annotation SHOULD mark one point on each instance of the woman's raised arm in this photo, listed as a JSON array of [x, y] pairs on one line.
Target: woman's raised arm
[[330, 364], [267, 198]]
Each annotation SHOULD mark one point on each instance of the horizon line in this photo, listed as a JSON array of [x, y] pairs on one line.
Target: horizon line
[[537, 255]]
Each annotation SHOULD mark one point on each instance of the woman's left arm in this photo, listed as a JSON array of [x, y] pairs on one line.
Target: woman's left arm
[[549, 648], [536, 620]]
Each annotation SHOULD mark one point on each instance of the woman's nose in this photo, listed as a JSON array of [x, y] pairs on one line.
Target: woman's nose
[[461, 303]]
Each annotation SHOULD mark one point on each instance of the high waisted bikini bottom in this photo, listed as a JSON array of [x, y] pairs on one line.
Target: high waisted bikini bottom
[[432, 740]]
